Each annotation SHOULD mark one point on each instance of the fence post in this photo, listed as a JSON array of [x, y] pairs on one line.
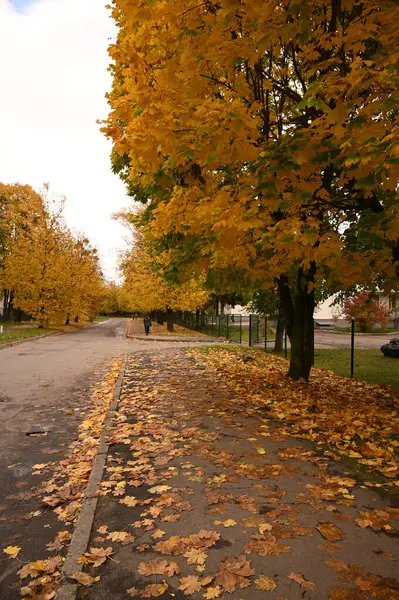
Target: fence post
[[285, 342], [353, 348], [265, 333], [240, 329], [220, 333], [227, 327], [257, 328], [250, 331]]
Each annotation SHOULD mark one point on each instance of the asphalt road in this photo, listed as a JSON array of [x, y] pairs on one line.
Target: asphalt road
[[45, 385], [329, 339]]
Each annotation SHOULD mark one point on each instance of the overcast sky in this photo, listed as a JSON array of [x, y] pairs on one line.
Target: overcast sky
[[53, 74]]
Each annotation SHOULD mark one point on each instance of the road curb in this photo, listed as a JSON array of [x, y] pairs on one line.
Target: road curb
[[81, 535], [176, 339]]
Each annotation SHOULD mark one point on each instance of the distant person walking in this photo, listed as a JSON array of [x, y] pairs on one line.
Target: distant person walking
[[147, 324]]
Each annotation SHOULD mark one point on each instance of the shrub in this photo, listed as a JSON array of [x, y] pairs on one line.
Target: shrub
[[366, 311]]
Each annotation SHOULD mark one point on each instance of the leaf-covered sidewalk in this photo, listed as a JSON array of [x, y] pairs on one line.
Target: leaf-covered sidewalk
[[205, 496]]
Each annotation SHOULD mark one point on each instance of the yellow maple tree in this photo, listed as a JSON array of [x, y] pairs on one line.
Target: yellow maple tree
[[53, 274], [146, 290], [269, 131]]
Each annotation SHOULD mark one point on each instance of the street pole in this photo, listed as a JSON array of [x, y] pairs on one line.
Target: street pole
[[353, 348]]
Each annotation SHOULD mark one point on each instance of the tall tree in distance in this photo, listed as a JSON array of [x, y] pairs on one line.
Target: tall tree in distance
[[52, 273], [265, 132], [21, 208]]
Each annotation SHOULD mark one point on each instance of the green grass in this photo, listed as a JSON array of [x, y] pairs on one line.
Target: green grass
[[7, 324], [381, 331], [15, 336], [370, 365], [100, 319]]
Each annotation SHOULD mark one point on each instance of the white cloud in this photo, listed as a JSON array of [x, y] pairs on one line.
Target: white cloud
[[53, 73]]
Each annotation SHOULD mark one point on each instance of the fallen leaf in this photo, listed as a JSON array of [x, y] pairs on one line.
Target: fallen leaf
[[158, 534], [129, 501], [32, 569], [158, 567], [233, 572], [133, 591], [229, 523], [153, 590], [213, 592], [189, 585], [84, 578], [299, 578], [120, 536], [103, 529], [12, 551], [330, 531], [264, 583], [195, 556]]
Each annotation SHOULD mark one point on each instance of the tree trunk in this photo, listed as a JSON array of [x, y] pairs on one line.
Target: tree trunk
[[300, 324], [8, 308], [279, 341], [169, 320], [197, 319]]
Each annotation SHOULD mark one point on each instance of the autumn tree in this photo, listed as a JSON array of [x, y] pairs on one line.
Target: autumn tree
[[366, 310], [146, 289], [263, 137], [52, 273], [20, 210]]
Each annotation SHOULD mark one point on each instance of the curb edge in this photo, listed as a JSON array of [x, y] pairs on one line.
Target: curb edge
[[81, 535]]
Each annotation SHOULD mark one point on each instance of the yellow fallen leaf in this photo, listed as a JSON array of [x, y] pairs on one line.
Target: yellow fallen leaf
[[229, 523], [85, 579], [12, 551], [261, 450], [129, 501], [266, 584]]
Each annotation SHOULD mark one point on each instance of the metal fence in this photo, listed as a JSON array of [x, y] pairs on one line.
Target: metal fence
[[250, 330], [257, 331]]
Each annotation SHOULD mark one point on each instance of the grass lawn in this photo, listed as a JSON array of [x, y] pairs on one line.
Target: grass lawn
[[16, 335], [370, 365], [100, 319]]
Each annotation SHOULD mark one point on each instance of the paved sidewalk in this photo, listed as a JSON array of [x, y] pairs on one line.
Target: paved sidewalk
[[204, 497], [135, 330]]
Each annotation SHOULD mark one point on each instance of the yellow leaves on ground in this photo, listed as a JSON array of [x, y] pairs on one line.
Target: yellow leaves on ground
[[356, 419], [213, 592], [330, 532], [227, 523], [96, 556], [196, 556], [153, 590], [189, 585], [12, 551], [65, 491], [129, 501], [233, 573], [299, 578], [120, 536], [265, 584], [84, 578], [158, 567]]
